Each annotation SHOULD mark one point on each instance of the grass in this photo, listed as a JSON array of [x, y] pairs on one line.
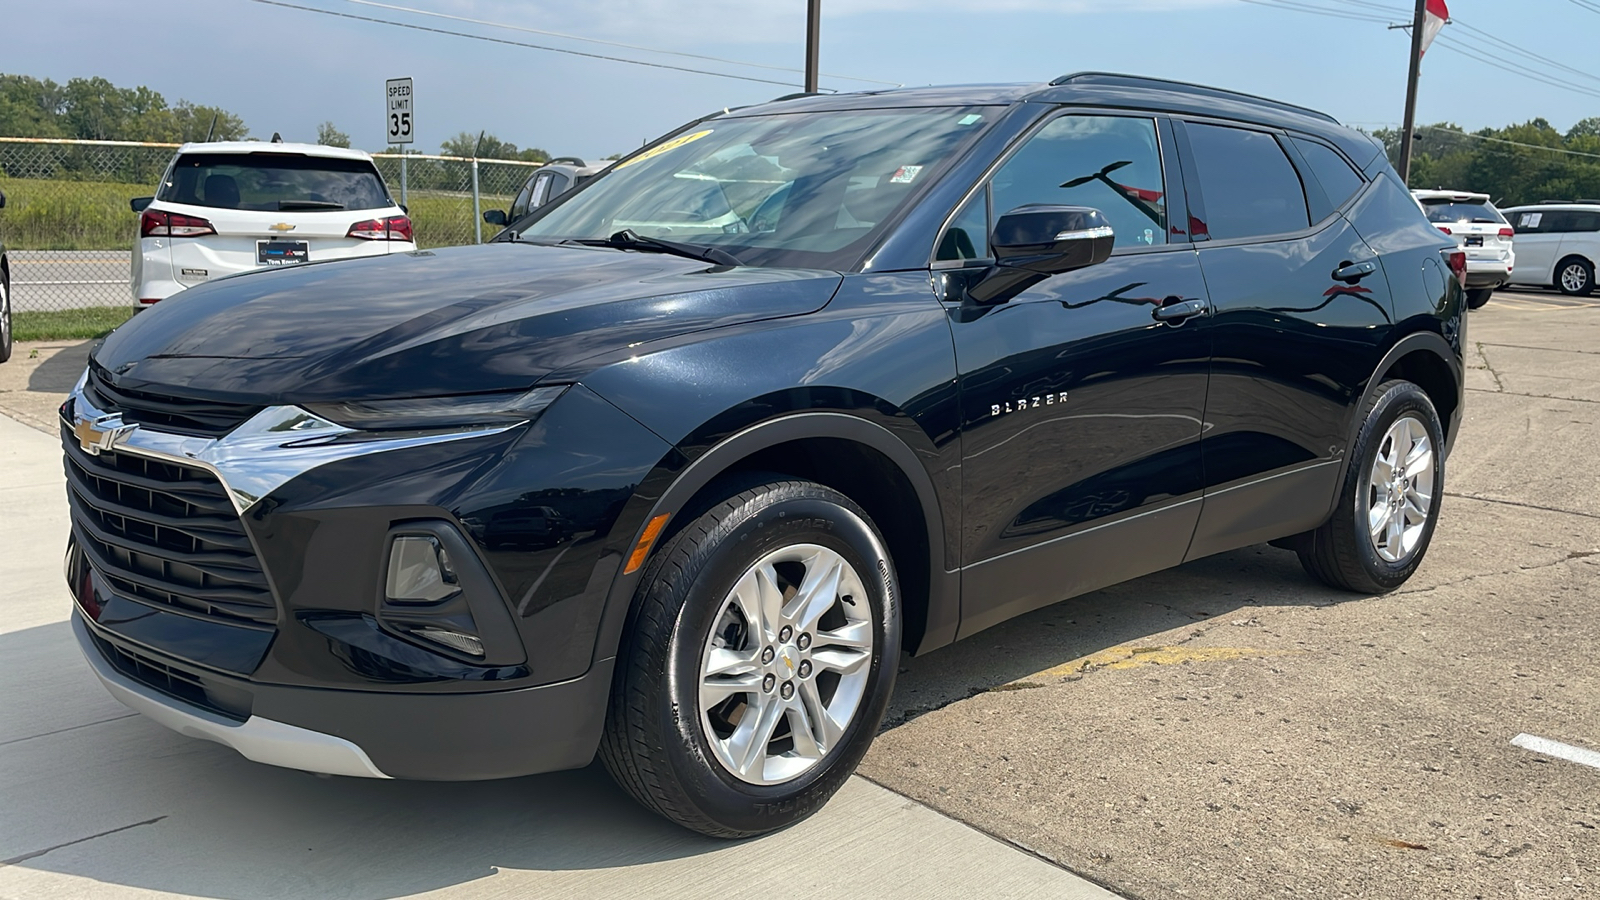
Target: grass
[[68, 324], [58, 214]]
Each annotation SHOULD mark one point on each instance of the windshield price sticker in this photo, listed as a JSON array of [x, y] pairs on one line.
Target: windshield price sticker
[[673, 144], [397, 111], [905, 175]]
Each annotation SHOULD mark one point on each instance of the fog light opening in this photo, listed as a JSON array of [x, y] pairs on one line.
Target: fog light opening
[[455, 640], [420, 572]]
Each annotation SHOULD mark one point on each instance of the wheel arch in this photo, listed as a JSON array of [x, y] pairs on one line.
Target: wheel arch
[[1427, 360], [862, 460]]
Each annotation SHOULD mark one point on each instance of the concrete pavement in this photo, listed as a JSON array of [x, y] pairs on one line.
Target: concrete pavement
[[100, 803]]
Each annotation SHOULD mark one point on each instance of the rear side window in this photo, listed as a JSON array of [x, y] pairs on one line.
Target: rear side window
[[273, 181], [1249, 186], [1448, 212], [1585, 221], [1339, 181]]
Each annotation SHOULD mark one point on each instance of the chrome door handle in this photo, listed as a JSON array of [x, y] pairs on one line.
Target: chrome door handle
[[1178, 312], [1350, 273]]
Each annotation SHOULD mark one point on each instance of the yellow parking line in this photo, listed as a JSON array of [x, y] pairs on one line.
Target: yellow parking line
[[1131, 657]]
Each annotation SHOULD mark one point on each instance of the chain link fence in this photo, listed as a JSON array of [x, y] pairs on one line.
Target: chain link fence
[[69, 232]]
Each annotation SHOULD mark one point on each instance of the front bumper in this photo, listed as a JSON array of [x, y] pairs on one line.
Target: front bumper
[[433, 737]]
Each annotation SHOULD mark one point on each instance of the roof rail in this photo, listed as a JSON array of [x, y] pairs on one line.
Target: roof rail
[[1187, 87], [795, 96], [569, 160], [1568, 202]]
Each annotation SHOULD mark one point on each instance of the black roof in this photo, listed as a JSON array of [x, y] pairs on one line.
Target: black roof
[[1102, 89]]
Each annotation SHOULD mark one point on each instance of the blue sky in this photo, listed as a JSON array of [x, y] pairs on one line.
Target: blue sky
[[287, 70]]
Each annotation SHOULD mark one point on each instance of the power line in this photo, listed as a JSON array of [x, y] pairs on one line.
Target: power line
[[1479, 137], [1293, 6], [574, 37], [495, 40], [1493, 39], [1471, 52], [1587, 4]]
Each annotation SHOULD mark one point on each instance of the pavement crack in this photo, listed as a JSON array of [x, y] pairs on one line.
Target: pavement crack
[[1498, 384], [1533, 396], [68, 728], [1482, 499], [38, 853], [1571, 555]]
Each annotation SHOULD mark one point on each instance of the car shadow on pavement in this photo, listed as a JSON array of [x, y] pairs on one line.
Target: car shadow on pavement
[[97, 793], [59, 373], [1160, 610]]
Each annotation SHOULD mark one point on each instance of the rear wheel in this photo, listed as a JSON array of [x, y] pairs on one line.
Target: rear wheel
[[1575, 277], [1389, 503], [1477, 297], [758, 664]]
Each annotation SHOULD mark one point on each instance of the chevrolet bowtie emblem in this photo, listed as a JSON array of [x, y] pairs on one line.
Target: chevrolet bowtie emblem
[[281, 226], [95, 435]]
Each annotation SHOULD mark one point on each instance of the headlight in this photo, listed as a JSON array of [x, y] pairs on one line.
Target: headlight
[[462, 410]]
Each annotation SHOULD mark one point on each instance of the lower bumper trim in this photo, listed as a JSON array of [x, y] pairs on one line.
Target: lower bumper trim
[[262, 740]]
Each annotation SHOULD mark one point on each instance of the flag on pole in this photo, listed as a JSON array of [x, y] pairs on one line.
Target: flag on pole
[[1433, 19]]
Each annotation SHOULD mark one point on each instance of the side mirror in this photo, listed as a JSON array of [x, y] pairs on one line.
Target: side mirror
[[138, 204], [1050, 240], [1033, 242], [2, 199], [495, 217]]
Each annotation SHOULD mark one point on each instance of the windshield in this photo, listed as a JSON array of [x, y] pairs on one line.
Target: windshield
[[274, 181], [807, 190], [1448, 211]]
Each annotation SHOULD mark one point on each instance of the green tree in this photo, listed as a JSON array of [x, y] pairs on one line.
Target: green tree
[[330, 136], [468, 144]]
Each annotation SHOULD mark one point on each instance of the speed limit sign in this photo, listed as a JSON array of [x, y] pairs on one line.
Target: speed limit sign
[[398, 113]]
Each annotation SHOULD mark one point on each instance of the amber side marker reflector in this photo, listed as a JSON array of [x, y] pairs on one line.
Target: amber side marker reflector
[[642, 549]]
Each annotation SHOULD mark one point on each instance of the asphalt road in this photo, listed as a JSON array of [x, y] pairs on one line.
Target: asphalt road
[[69, 279], [1227, 729]]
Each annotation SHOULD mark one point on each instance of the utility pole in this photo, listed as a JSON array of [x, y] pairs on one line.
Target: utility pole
[[814, 39], [1410, 126]]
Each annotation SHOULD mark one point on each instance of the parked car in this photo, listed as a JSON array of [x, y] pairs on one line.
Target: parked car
[[5, 296], [235, 206], [547, 182], [995, 346], [1558, 245], [1481, 231]]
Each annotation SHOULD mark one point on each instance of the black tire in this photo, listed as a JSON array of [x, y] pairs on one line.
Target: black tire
[[655, 744], [1575, 277], [5, 321], [1477, 297], [1341, 553]]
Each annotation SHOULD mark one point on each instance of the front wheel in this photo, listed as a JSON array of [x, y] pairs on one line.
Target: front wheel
[[1478, 297], [759, 660], [5, 321], [1575, 277], [1389, 503]]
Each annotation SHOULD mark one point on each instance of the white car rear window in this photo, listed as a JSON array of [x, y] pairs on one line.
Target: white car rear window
[[274, 181]]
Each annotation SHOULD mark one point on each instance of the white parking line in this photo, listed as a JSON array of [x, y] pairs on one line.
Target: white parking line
[[1557, 749]]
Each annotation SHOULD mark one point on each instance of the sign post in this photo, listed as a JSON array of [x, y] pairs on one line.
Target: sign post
[[398, 121]]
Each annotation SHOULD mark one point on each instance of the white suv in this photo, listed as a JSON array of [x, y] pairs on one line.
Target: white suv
[[1480, 230], [1559, 245], [225, 208]]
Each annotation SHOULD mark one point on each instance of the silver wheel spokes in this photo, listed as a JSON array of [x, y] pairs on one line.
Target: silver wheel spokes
[[1573, 277], [785, 667], [1399, 490]]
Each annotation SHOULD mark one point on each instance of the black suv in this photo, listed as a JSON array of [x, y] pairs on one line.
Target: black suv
[[674, 469]]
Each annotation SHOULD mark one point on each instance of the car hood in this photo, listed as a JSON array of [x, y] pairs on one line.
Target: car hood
[[494, 317]]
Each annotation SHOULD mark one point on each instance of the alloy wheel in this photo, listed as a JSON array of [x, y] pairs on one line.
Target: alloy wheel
[[1399, 490], [785, 667], [1574, 278]]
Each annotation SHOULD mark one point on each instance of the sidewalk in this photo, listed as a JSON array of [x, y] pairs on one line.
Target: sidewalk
[[102, 803]]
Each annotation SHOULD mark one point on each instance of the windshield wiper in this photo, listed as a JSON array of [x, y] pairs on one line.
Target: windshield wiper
[[308, 204], [628, 239]]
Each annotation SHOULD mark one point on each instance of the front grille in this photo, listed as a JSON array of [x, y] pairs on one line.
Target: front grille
[[172, 681], [166, 535], [203, 418]]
